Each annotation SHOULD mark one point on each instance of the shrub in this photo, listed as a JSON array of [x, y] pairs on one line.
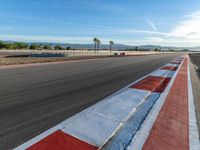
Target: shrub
[[58, 47], [68, 48], [48, 47], [2, 45], [34, 46]]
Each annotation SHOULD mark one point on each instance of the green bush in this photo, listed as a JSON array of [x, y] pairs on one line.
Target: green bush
[[68, 48], [34, 46], [19, 45], [48, 47], [58, 47], [2, 45], [16, 45]]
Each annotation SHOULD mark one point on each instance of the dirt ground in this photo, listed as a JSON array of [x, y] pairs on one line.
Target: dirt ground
[[29, 60], [195, 58], [195, 76]]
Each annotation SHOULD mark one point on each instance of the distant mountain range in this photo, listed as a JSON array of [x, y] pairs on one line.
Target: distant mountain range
[[121, 46], [116, 46]]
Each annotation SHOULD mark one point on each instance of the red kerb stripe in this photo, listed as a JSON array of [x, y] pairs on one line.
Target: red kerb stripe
[[171, 129], [152, 83], [61, 141], [172, 68]]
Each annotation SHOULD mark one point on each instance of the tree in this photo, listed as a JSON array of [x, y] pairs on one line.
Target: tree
[[48, 47], [68, 48], [58, 47], [111, 43], [95, 43], [157, 50], [185, 50], [98, 43], [20, 45], [9, 46], [2, 45], [34, 46]]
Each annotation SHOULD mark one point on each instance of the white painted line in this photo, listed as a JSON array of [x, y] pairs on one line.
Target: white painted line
[[163, 73], [142, 134], [193, 129]]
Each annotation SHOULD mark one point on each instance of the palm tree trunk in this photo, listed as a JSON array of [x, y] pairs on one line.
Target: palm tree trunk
[[110, 48], [95, 45]]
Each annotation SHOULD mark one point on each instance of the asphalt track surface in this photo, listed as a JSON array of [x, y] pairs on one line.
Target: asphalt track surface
[[34, 99]]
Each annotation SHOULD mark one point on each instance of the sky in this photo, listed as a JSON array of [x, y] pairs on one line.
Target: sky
[[131, 22]]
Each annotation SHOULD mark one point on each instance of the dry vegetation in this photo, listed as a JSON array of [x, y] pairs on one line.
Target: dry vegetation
[[29, 60]]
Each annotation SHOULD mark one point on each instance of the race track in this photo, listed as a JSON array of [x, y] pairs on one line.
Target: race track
[[34, 99]]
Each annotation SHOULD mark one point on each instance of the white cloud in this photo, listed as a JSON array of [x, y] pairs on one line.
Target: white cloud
[[186, 33], [83, 40], [189, 28], [156, 39], [131, 31], [56, 39], [151, 23], [59, 39]]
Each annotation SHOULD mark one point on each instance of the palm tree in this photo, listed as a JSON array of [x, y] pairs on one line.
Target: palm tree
[[98, 43], [95, 43], [111, 43]]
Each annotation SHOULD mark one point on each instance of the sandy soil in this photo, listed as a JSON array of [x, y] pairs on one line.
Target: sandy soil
[[29, 60]]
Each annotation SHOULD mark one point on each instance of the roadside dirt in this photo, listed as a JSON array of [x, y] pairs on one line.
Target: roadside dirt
[[30, 60], [195, 58], [195, 76]]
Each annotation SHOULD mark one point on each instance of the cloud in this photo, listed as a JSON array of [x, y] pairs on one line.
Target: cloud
[[151, 23], [156, 39], [189, 28], [131, 31], [185, 33], [84, 40], [41, 38]]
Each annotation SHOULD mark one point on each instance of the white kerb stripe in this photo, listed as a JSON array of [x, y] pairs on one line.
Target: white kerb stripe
[[172, 65], [163, 73], [97, 124]]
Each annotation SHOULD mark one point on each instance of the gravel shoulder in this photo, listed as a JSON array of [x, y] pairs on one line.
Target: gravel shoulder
[[195, 75]]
